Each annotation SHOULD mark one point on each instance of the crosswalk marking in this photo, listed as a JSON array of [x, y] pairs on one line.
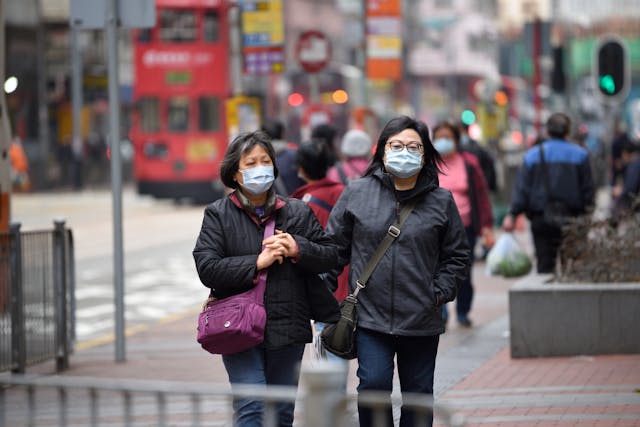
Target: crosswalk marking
[[157, 290]]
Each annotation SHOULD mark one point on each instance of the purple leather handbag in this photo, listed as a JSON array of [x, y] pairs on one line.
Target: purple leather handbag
[[235, 323]]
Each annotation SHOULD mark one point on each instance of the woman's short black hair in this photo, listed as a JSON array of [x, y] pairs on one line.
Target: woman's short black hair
[[313, 157], [455, 130], [432, 159], [240, 146]]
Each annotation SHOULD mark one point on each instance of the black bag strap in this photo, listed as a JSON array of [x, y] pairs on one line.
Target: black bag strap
[[392, 233], [545, 172]]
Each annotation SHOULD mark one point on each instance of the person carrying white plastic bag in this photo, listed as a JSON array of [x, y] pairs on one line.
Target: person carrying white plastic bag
[[507, 258]]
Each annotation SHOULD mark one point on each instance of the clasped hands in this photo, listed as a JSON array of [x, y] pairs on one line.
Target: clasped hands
[[276, 248]]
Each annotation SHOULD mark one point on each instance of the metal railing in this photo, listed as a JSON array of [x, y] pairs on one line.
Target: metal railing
[[321, 401], [37, 303]]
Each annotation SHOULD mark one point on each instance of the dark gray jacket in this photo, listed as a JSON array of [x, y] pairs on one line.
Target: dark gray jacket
[[423, 267], [227, 250]]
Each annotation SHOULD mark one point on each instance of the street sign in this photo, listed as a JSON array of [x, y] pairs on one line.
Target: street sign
[[313, 51], [90, 15]]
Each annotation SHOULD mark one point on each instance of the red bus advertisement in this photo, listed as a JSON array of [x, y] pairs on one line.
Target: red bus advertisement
[[181, 82]]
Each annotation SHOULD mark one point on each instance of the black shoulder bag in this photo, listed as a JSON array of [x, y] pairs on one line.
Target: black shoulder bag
[[339, 338], [556, 213]]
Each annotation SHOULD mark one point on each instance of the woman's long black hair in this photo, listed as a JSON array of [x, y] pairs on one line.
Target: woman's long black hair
[[432, 159]]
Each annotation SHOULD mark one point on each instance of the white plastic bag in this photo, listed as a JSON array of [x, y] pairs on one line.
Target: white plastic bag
[[507, 258]]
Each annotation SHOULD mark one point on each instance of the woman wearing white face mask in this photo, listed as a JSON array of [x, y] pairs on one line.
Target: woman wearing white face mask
[[233, 255], [463, 176], [399, 311]]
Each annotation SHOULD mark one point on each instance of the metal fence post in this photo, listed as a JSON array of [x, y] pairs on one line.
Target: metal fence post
[[324, 391], [71, 291], [18, 339], [60, 292]]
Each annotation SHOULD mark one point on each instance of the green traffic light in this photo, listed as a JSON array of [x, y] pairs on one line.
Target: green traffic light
[[468, 117], [607, 84]]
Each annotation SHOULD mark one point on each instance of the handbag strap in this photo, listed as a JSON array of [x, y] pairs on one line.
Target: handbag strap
[[392, 233], [258, 290]]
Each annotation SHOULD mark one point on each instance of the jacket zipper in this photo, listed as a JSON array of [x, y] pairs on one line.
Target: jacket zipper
[[393, 269]]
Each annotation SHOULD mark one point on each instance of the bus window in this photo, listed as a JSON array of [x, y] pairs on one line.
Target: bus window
[[149, 114], [178, 112], [177, 25], [209, 113], [211, 27]]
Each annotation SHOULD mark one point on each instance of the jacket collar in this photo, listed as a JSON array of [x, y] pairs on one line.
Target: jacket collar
[[427, 181], [273, 204]]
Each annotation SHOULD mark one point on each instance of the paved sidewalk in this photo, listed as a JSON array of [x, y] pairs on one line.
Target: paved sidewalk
[[475, 373]]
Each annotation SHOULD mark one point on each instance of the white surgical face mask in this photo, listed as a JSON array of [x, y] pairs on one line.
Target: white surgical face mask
[[403, 164], [444, 146], [257, 180]]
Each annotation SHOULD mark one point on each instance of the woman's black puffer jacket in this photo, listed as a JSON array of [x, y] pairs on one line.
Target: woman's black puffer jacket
[[423, 267], [227, 250]]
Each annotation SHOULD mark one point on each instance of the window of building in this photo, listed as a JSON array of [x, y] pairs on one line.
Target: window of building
[[178, 114], [209, 113]]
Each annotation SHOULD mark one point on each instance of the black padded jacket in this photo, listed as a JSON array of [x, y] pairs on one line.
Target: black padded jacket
[[423, 267], [227, 249]]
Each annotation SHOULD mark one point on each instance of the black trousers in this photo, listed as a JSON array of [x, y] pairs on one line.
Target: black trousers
[[547, 240]]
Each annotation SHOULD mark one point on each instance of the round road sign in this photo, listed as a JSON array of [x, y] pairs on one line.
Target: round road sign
[[313, 51]]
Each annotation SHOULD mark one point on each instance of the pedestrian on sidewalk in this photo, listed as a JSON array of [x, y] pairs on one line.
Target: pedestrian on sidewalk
[[287, 180], [399, 311], [355, 149], [321, 194], [554, 170], [462, 175], [487, 164], [229, 260]]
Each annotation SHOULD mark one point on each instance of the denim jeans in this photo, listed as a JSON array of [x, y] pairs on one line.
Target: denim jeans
[[258, 365], [416, 358]]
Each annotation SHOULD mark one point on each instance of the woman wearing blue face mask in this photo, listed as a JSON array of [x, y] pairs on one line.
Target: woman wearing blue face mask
[[462, 175], [399, 311], [232, 255]]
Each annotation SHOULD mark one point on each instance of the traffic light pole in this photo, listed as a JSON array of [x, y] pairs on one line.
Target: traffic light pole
[[5, 138]]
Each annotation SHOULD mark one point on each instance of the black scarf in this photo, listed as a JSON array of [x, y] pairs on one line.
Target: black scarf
[[269, 206]]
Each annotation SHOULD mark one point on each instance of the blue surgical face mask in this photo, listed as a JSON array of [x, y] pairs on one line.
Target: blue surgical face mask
[[257, 180], [403, 164], [444, 146]]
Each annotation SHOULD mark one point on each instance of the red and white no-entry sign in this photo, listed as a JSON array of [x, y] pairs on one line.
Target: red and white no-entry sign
[[313, 51]]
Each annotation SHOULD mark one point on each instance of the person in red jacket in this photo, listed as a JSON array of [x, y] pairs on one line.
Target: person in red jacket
[[319, 192], [462, 175]]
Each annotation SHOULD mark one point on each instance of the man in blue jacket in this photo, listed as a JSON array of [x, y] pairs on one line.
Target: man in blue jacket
[[569, 181]]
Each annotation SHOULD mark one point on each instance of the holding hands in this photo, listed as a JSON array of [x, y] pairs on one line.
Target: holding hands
[[276, 248]]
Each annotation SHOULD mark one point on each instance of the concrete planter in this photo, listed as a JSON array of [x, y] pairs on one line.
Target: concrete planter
[[559, 319]]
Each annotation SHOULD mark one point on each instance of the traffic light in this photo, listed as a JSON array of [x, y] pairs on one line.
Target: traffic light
[[612, 69]]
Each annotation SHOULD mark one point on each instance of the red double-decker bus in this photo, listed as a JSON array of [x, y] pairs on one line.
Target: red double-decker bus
[[181, 82]]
